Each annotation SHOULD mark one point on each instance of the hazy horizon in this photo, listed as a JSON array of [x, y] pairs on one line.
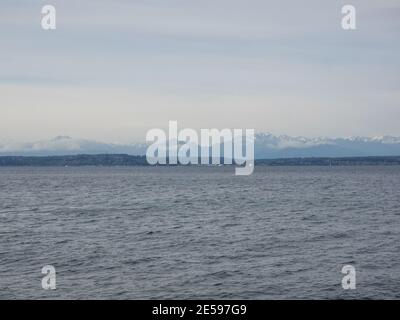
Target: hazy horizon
[[266, 146], [142, 140]]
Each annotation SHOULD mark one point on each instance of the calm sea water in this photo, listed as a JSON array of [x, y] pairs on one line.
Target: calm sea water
[[187, 232]]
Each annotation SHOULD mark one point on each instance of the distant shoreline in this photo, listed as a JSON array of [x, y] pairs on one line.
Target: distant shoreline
[[128, 160]]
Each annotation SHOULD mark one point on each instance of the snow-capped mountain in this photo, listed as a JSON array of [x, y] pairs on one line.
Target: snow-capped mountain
[[64, 145], [271, 146], [266, 146]]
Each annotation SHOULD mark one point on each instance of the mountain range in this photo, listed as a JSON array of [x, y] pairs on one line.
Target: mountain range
[[267, 146]]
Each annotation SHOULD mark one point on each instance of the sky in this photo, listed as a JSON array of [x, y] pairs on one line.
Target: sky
[[112, 70]]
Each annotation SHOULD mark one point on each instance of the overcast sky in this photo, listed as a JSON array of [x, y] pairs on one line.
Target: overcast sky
[[114, 69]]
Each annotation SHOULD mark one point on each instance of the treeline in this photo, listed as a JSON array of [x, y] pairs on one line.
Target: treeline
[[127, 160], [343, 161], [75, 160]]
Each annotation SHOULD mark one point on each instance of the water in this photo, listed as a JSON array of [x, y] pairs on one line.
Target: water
[[200, 232]]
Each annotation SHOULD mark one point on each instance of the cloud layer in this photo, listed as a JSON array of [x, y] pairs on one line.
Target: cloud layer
[[114, 69]]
